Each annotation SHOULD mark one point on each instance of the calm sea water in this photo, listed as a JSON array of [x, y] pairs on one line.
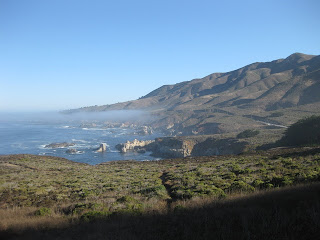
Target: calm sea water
[[31, 137]]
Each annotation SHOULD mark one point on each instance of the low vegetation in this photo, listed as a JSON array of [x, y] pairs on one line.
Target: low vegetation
[[248, 133], [40, 193]]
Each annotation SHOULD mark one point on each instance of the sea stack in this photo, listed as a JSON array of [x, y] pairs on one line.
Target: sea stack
[[102, 148]]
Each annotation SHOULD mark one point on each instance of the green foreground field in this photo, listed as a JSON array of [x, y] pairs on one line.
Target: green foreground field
[[258, 196]]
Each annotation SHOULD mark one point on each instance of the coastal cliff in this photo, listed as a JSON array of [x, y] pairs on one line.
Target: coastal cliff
[[196, 146], [135, 145], [178, 147]]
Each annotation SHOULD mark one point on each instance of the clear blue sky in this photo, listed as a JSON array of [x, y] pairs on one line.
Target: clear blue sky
[[62, 54]]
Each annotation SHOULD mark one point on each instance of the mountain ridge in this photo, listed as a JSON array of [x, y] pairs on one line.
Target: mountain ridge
[[257, 88], [217, 83]]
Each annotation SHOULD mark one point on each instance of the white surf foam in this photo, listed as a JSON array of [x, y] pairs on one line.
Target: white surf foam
[[79, 140], [113, 151], [94, 129]]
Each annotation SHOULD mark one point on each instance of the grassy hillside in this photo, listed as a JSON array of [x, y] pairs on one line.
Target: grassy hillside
[[229, 197]]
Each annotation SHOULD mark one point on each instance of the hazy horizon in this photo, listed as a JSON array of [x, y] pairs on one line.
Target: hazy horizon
[[69, 54], [55, 116]]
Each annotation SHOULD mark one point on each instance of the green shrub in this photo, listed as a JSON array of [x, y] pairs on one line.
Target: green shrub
[[157, 191], [280, 181], [258, 183], [43, 212], [218, 192], [82, 207], [247, 170], [127, 205], [182, 194], [269, 185], [230, 175], [236, 169], [128, 211], [287, 181], [126, 199], [286, 161], [93, 215], [248, 133], [240, 186], [276, 114]]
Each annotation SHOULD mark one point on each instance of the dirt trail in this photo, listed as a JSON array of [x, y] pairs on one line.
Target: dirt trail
[[170, 200]]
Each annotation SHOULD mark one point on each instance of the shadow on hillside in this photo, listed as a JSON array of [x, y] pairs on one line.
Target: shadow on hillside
[[268, 146], [289, 151], [291, 213], [285, 152], [301, 152]]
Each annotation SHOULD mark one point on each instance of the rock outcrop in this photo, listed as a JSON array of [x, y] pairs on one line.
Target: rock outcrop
[[60, 145], [102, 148], [145, 130], [178, 147], [71, 151], [135, 145], [175, 147], [74, 151]]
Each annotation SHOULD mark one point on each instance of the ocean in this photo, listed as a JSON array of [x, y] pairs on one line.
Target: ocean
[[31, 136]]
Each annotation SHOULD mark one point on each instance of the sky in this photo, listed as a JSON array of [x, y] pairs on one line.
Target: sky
[[64, 54]]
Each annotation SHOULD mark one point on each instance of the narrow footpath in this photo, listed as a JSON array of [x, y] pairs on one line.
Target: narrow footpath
[[171, 198]]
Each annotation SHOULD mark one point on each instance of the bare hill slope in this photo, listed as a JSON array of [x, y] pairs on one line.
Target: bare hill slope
[[290, 85]]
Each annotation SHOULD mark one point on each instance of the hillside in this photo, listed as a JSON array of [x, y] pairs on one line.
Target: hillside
[[232, 101], [268, 195]]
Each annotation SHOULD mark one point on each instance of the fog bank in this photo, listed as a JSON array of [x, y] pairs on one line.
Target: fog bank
[[56, 117]]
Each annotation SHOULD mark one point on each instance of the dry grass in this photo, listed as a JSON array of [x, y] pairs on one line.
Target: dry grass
[[288, 213], [20, 218]]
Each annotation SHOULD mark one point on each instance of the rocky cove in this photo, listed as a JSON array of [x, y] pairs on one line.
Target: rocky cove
[[174, 146], [81, 142], [78, 141]]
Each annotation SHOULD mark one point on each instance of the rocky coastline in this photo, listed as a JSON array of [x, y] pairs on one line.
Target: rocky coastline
[[179, 147], [135, 146], [60, 145]]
